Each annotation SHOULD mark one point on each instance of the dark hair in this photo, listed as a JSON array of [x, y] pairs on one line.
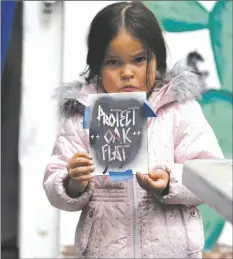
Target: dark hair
[[138, 21]]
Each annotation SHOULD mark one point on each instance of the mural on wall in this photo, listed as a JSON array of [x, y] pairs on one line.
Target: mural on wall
[[186, 16], [189, 16]]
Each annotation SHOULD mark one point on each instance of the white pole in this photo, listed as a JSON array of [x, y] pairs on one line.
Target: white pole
[[42, 72]]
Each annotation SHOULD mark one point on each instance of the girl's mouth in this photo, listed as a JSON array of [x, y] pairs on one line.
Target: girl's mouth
[[129, 88]]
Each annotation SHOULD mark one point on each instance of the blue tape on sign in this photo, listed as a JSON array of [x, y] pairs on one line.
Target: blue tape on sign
[[121, 176], [86, 118], [7, 17], [149, 111]]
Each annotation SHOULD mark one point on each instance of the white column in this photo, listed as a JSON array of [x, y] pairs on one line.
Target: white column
[[42, 72]]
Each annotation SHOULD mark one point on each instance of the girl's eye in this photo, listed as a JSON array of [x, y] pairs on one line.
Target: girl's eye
[[140, 59], [112, 62]]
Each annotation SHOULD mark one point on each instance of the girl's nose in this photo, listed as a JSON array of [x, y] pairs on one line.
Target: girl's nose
[[127, 73]]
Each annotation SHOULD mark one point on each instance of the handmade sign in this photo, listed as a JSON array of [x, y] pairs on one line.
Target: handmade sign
[[118, 132]]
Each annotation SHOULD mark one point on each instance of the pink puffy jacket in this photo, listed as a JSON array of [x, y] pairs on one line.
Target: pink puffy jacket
[[120, 219]]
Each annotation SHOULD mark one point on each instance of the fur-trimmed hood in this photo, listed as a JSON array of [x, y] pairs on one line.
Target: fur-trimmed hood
[[180, 85]]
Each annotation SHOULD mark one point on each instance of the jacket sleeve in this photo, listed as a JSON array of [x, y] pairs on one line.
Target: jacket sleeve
[[194, 139], [70, 140]]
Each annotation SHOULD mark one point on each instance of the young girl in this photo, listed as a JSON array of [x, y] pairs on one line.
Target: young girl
[[152, 215]]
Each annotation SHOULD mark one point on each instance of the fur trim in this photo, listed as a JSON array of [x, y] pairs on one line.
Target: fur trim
[[68, 96], [184, 84]]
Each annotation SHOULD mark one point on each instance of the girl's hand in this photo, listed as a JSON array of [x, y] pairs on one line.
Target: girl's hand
[[79, 170], [157, 181]]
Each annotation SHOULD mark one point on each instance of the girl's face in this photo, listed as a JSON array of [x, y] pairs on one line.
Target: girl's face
[[124, 66]]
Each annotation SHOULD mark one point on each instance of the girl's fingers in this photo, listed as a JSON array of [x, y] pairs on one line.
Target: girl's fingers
[[83, 178], [155, 184], [149, 184], [139, 176], [80, 161], [82, 170], [158, 174], [141, 180], [82, 154]]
